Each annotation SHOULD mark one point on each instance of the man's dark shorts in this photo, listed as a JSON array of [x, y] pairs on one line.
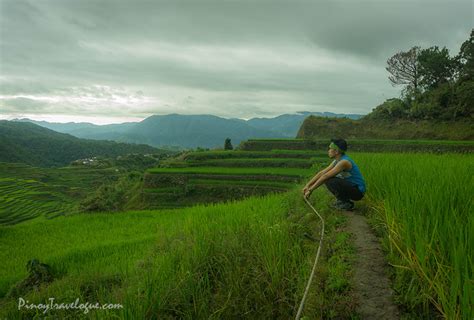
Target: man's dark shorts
[[343, 190]]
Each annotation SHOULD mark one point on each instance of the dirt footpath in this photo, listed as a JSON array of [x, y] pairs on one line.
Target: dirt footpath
[[371, 284]]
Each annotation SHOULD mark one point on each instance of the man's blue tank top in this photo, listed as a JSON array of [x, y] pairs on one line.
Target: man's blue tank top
[[354, 176]]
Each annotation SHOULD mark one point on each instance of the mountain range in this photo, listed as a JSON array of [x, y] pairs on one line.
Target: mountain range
[[37, 146], [189, 131]]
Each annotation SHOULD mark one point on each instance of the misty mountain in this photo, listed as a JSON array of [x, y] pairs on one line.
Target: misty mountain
[[86, 130], [190, 131]]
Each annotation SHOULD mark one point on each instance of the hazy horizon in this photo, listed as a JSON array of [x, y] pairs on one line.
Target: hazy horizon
[[105, 121]]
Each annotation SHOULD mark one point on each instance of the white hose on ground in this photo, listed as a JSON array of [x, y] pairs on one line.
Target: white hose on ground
[[300, 310]]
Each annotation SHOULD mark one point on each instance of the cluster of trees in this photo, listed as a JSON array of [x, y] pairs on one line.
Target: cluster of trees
[[435, 85], [114, 194]]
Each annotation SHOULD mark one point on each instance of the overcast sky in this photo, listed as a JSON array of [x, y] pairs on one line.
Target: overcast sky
[[116, 61]]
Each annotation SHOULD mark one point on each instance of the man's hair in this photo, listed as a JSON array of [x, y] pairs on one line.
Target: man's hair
[[341, 143]]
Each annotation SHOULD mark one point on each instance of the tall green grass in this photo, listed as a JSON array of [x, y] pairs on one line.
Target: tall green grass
[[425, 202], [242, 259], [239, 260]]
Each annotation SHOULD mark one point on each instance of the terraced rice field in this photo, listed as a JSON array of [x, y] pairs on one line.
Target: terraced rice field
[[22, 200], [421, 204], [432, 268], [28, 192], [215, 176]]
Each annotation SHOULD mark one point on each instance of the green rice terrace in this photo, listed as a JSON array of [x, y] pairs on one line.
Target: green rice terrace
[[213, 176], [227, 235], [28, 192]]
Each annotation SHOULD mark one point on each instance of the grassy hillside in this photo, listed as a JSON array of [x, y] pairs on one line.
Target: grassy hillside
[[367, 128], [31, 144], [247, 259]]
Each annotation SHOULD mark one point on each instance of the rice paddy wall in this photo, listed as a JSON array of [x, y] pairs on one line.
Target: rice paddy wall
[[408, 146], [175, 187], [215, 176]]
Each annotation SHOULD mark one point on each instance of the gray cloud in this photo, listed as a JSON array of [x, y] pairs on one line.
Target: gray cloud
[[22, 104], [234, 58]]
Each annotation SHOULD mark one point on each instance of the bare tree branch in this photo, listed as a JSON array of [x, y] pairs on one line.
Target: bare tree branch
[[403, 68]]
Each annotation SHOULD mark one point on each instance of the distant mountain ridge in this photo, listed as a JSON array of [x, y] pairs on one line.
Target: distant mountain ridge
[[190, 131]]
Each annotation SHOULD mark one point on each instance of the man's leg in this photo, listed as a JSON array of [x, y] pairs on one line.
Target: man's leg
[[355, 194], [339, 188], [344, 191]]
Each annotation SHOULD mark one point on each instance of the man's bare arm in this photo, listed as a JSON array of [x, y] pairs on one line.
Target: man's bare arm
[[343, 164], [318, 175]]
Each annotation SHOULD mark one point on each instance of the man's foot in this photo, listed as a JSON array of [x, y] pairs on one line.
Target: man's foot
[[337, 203], [344, 205]]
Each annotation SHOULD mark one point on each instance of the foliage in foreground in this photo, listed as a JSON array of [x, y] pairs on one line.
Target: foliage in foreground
[[425, 203], [247, 259]]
